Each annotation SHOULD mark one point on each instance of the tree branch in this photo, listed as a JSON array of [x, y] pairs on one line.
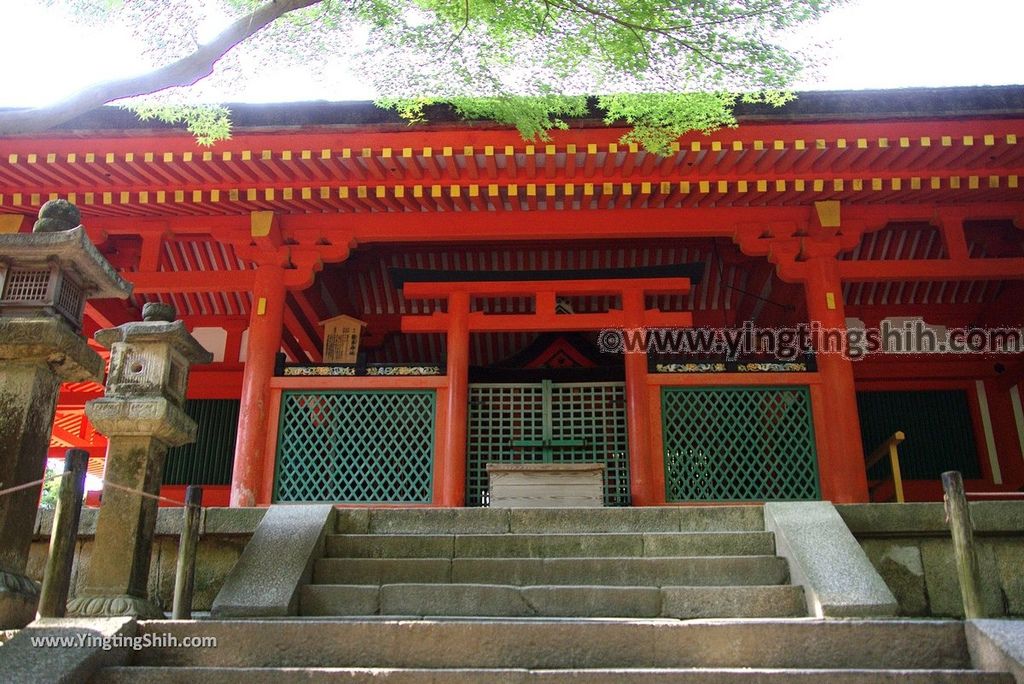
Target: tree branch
[[634, 27], [465, 25], [183, 72]]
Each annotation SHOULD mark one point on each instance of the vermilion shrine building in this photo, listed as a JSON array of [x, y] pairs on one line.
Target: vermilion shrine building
[[484, 268]]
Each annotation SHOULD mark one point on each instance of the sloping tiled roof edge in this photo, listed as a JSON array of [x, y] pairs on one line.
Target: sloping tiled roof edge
[[811, 106]]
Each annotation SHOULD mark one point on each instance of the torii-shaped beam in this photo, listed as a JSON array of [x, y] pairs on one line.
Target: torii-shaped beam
[[458, 322]]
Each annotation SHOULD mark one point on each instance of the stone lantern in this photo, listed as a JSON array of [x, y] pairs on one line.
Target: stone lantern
[[45, 279], [142, 415]]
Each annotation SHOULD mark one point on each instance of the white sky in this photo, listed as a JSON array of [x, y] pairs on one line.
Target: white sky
[[872, 44]]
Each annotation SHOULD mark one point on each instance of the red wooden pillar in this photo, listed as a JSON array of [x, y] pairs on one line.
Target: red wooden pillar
[[638, 414], [452, 466], [265, 322], [843, 477]]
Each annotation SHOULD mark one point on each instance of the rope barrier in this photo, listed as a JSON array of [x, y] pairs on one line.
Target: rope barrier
[[146, 494], [42, 480], [34, 483]]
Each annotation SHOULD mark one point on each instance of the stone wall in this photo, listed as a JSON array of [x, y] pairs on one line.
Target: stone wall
[[909, 545], [224, 533]]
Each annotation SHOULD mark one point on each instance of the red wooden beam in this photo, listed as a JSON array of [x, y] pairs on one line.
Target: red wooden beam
[[895, 367], [932, 269], [546, 225], [66, 400], [292, 345], [590, 288], [207, 281], [71, 438], [537, 322], [309, 345]]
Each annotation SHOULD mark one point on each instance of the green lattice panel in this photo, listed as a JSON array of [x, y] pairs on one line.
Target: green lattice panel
[[592, 415], [739, 444], [356, 446]]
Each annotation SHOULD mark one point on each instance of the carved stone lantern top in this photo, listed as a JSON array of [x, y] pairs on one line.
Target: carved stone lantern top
[[55, 269], [173, 334], [151, 358]]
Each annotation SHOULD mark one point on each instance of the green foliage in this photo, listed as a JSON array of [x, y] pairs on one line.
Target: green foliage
[[208, 123], [534, 117], [51, 488], [662, 67]]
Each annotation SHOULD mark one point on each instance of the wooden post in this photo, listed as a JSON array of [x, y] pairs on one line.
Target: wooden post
[[453, 469], [638, 416], [265, 323], [53, 599], [959, 518], [843, 478], [185, 573]]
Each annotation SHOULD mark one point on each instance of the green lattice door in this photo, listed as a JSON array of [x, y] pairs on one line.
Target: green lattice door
[[356, 446], [739, 444], [547, 422]]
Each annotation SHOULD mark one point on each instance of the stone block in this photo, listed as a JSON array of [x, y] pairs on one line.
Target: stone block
[[22, 661], [899, 563], [232, 520], [998, 516], [439, 521], [462, 600], [215, 558], [687, 603], [997, 646], [87, 523], [923, 519], [1009, 558], [37, 555], [826, 560], [44, 521], [573, 521], [741, 570], [80, 570], [381, 570], [547, 545], [163, 561], [277, 560], [594, 601], [169, 522], [558, 643], [389, 545], [352, 521], [943, 582], [721, 518], [709, 544], [339, 599]]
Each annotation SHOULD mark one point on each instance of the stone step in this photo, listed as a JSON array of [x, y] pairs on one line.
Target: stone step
[[550, 520], [552, 601], [653, 572], [600, 544], [545, 643], [224, 675]]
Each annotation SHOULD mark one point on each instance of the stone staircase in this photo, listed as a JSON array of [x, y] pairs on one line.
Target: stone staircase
[[538, 596], [542, 650], [631, 563]]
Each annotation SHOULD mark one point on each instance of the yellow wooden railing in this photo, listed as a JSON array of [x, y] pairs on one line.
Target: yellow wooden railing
[[890, 448]]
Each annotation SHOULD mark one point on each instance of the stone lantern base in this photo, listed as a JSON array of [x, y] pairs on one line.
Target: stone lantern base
[[114, 606], [19, 597]]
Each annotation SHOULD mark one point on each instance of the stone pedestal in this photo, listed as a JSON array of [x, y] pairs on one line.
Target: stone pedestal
[[45, 278], [29, 385], [142, 416]]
